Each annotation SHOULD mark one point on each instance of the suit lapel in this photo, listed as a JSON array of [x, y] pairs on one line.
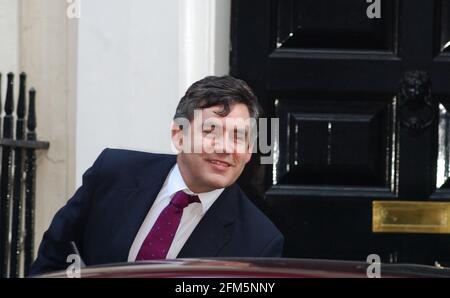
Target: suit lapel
[[134, 206], [214, 229], [212, 233]]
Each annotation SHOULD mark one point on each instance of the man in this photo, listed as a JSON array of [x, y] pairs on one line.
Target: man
[[136, 206]]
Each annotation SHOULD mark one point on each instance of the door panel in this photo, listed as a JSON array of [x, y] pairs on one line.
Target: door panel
[[319, 24], [362, 105], [315, 137]]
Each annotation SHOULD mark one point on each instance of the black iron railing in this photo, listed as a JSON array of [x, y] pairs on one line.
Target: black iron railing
[[17, 179]]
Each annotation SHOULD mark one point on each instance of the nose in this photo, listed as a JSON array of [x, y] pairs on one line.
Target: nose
[[224, 144]]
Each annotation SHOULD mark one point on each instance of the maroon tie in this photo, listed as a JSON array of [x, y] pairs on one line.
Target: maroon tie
[[157, 243]]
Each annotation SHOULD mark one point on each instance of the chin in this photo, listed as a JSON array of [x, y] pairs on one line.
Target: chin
[[219, 183]]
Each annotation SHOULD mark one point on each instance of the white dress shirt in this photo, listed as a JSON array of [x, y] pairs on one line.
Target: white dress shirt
[[192, 214]]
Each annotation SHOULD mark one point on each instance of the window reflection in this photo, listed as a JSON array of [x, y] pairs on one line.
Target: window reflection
[[443, 163], [445, 26]]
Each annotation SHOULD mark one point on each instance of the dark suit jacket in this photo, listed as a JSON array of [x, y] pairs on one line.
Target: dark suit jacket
[[106, 212]]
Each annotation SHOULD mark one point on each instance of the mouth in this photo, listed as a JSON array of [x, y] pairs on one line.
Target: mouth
[[219, 164]]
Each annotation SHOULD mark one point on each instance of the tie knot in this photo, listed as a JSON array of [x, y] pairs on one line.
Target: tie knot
[[182, 199]]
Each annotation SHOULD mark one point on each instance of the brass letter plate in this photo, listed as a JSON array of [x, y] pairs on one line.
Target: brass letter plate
[[410, 217]]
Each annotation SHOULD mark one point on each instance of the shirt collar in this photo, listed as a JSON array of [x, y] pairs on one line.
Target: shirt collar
[[176, 183]]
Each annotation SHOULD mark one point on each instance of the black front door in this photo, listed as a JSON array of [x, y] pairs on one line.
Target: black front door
[[362, 93]]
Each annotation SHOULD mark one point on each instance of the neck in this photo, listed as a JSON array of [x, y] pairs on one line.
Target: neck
[[187, 178]]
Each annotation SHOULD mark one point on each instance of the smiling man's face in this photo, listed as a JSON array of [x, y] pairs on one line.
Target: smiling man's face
[[218, 148]]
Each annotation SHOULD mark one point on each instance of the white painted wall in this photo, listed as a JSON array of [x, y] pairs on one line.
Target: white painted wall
[[127, 76], [204, 32], [110, 79], [135, 60], [9, 49], [47, 53]]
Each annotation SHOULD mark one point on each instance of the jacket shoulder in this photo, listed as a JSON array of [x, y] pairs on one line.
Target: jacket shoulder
[[122, 162], [113, 154]]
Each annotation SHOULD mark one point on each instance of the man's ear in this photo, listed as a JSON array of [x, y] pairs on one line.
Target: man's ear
[[177, 136]]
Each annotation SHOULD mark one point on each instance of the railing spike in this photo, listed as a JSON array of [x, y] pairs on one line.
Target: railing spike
[[9, 101], [31, 123], [22, 94]]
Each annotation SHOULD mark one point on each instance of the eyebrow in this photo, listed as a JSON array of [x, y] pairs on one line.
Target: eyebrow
[[219, 125]]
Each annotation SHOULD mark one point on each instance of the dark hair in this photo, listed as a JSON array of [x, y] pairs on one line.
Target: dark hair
[[222, 91]]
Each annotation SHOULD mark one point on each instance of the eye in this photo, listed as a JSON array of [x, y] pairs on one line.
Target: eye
[[209, 129]]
